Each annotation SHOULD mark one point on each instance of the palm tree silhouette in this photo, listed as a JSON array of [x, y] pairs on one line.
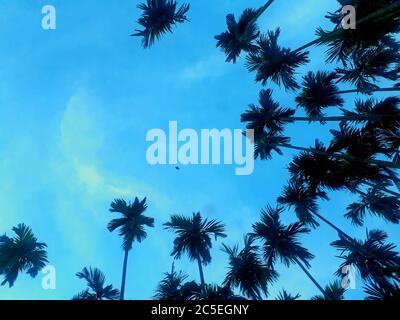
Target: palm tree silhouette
[[131, 227], [375, 202], [247, 272], [158, 18], [380, 262], [173, 286], [281, 242], [366, 66], [22, 253], [284, 295], [270, 61], [212, 292], [382, 290], [240, 35], [273, 141], [376, 22], [96, 290], [333, 291], [193, 236]]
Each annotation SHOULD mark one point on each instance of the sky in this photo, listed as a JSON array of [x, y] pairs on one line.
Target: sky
[[76, 104]]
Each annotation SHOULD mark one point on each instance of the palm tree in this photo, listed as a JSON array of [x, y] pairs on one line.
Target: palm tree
[[281, 242], [247, 272], [241, 35], [283, 295], [173, 287], [131, 227], [375, 202], [273, 62], [194, 238], [158, 18], [319, 92], [333, 291], [376, 21], [368, 65], [273, 141], [212, 292], [382, 290], [22, 253], [380, 263], [96, 290]]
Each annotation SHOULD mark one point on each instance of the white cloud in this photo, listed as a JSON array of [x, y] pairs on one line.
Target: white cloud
[[211, 67]]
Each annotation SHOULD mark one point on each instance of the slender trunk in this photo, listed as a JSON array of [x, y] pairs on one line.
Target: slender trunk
[[335, 118], [334, 34], [342, 156], [374, 90], [201, 273], [124, 275], [339, 231], [300, 264], [262, 10]]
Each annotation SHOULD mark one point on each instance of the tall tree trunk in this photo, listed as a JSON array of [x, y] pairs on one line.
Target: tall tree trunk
[[339, 231], [374, 90], [262, 10], [201, 273], [342, 156], [300, 264], [124, 275]]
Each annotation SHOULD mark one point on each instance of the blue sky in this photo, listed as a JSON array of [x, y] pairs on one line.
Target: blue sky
[[75, 106]]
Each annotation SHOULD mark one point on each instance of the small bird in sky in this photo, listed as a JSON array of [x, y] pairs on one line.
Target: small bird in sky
[[177, 168]]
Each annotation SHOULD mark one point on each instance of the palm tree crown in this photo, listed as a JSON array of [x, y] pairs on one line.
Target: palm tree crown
[[319, 92], [194, 236], [96, 290], [247, 272], [158, 18], [240, 35], [131, 225], [273, 62], [22, 253], [280, 241]]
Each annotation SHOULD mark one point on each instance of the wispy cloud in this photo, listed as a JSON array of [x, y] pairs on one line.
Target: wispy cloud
[[210, 67]]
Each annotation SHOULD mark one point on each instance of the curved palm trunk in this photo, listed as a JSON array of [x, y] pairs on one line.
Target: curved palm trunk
[[201, 273], [342, 156], [374, 90], [339, 231], [124, 275], [334, 34], [300, 264]]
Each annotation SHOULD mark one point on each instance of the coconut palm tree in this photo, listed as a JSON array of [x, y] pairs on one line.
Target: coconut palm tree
[[240, 35], [333, 291], [22, 253], [96, 290], [131, 227], [283, 295], [158, 18], [381, 263], [247, 272], [281, 242], [272, 62], [193, 236]]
